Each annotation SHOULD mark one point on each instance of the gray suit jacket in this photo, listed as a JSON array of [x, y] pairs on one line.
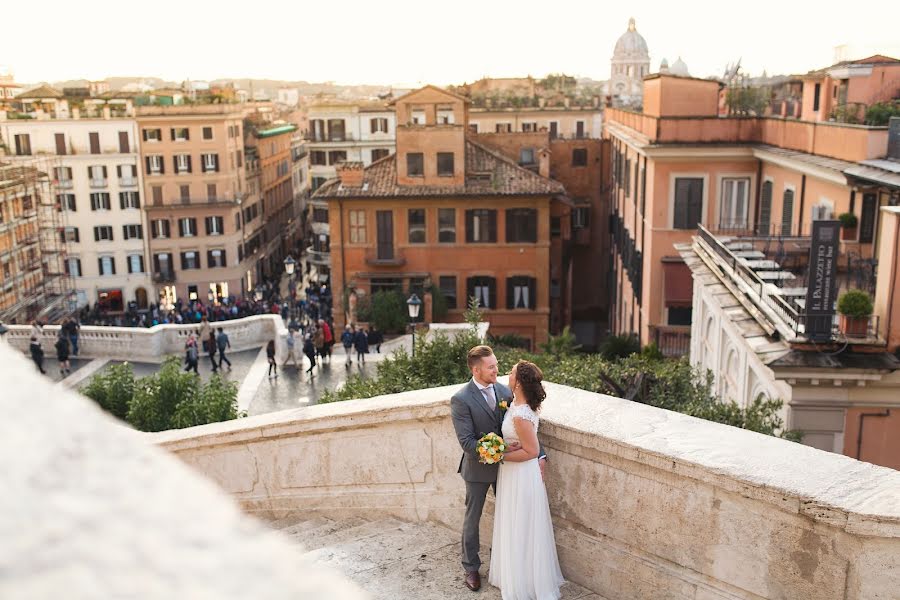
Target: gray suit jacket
[[472, 418]]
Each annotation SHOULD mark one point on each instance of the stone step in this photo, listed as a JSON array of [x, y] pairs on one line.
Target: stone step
[[332, 532]]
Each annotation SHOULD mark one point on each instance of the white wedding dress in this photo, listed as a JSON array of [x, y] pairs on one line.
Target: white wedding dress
[[524, 564]]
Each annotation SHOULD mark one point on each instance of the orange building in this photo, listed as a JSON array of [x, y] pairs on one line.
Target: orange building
[[445, 211]]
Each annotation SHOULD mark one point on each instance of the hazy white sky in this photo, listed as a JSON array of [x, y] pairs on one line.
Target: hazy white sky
[[407, 42]]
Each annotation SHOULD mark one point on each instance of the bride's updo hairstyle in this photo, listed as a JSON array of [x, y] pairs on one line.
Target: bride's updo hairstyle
[[529, 377]]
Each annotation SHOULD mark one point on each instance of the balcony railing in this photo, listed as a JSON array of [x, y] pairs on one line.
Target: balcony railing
[[164, 276], [317, 257], [128, 182], [65, 184], [385, 258], [98, 182], [673, 340]]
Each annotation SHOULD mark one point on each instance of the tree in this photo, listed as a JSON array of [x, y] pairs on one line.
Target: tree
[[880, 114], [112, 389], [388, 311], [747, 100], [439, 306]]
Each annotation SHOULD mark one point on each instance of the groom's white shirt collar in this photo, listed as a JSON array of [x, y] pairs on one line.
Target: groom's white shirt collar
[[479, 386]]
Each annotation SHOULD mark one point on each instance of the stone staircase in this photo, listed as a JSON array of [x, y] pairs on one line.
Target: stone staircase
[[393, 559]]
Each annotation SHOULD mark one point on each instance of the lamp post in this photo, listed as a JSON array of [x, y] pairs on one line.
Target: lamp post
[[413, 304], [290, 266], [257, 294]]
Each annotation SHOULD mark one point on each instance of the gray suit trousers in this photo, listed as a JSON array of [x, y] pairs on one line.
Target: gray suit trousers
[[476, 493]]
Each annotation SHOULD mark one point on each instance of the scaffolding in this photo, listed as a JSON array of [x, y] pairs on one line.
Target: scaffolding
[[33, 261]]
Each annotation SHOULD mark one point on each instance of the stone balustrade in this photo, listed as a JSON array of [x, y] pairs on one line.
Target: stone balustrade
[[153, 344], [646, 503]]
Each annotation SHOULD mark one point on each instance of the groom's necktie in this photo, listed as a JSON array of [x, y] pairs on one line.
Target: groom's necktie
[[489, 396]]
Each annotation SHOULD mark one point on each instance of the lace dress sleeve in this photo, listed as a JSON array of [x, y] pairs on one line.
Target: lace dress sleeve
[[524, 412]]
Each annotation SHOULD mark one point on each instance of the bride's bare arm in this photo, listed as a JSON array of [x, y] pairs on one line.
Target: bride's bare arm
[[528, 438]]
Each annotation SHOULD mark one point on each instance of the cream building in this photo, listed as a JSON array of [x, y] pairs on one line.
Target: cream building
[[630, 63], [98, 183], [562, 122], [348, 131]]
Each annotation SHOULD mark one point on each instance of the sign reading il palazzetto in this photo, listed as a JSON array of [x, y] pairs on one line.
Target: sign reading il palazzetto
[[820, 295]]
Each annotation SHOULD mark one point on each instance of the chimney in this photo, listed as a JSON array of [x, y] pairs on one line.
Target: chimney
[[350, 173], [544, 162], [894, 138]]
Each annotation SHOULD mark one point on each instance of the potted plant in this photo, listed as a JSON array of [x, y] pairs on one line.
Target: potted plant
[[855, 308], [848, 226]]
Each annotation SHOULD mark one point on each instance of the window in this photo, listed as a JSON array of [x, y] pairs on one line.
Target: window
[[378, 125], [415, 164], [418, 117], [822, 210], [447, 225], [63, 176], [135, 263], [581, 217], [357, 227], [129, 200], [787, 212], [318, 157], [160, 229], [526, 156], [152, 135], [207, 133], [867, 219], [521, 225], [317, 182], [237, 221], [157, 195], [155, 164], [210, 162], [124, 144], [73, 267], [555, 226], [445, 164], [503, 128], [337, 156], [106, 265], [379, 153], [70, 234], [127, 174], [336, 130], [100, 201], [215, 259], [23, 144], [416, 226], [529, 127], [484, 289], [190, 260], [733, 209], [320, 215], [627, 177], [579, 129], [187, 227], [473, 127], [103, 233], [182, 163], [132, 232], [680, 315], [445, 115], [817, 91], [211, 192], [66, 202], [215, 225], [579, 157], [447, 285], [94, 138], [554, 130], [97, 175], [688, 206], [162, 263], [481, 225], [184, 191], [765, 209], [520, 293], [180, 134], [240, 159]]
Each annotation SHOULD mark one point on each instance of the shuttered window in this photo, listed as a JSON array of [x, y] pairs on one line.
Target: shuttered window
[[688, 207], [481, 226], [521, 225], [520, 293], [765, 209], [787, 212], [484, 289]]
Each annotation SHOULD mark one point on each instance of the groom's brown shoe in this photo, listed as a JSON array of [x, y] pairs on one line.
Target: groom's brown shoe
[[473, 580]]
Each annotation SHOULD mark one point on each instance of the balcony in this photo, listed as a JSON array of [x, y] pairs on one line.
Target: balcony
[[65, 184], [673, 341], [385, 258], [167, 276], [98, 182], [318, 257], [128, 182]]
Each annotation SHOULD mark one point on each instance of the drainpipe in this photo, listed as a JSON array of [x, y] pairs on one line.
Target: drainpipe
[[859, 438], [759, 184], [343, 262], [802, 202]]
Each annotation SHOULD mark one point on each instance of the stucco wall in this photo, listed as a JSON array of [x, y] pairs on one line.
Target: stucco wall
[[646, 503]]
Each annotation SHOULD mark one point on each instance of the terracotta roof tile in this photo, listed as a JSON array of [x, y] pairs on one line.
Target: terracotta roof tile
[[488, 173]]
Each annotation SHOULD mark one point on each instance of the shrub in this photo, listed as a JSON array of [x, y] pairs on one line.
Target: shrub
[[619, 346], [879, 115], [848, 220], [508, 340], [389, 312], [113, 389], [855, 303]]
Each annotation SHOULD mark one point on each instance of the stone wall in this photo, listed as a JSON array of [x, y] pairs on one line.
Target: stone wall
[[647, 503], [137, 344]]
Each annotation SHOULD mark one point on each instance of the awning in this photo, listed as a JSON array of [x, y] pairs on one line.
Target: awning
[[873, 174], [679, 284]]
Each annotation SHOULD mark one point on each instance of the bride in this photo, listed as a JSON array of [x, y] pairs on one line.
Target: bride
[[524, 564]]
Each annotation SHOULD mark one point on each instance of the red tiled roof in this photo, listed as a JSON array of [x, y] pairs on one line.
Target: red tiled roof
[[488, 173]]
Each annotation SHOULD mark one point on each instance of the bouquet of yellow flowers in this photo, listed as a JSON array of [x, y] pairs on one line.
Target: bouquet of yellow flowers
[[491, 448]]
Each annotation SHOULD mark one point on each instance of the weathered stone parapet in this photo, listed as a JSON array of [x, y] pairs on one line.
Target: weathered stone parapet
[[153, 344], [647, 503]]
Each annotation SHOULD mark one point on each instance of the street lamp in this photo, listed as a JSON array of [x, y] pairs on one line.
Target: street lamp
[[257, 294], [413, 304], [289, 265]]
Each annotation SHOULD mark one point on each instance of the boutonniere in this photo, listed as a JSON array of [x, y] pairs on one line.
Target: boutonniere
[[503, 406]]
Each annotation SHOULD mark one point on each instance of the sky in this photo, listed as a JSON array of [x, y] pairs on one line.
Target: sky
[[405, 42]]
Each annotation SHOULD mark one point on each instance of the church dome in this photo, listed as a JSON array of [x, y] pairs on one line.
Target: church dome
[[664, 66], [631, 44], [679, 67]]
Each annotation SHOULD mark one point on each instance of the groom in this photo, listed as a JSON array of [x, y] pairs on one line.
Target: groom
[[476, 410]]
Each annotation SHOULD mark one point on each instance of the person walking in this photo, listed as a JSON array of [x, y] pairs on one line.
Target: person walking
[[72, 328], [319, 341], [361, 343], [223, 342], [347, 342], [191, 354], [376, 338], [62, 353], [204, 333], [37, 354], [270, 355], [329, 337], [309, 350], [293, 349], [212, 347]]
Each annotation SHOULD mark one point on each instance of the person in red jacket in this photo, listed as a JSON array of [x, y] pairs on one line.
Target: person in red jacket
[[329, 337]]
